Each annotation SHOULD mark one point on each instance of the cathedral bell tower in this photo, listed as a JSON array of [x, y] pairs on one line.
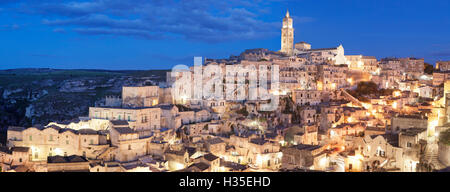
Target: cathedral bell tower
[[287, 36]]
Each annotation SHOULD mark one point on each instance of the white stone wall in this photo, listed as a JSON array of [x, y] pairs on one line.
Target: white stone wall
[[444, 154]]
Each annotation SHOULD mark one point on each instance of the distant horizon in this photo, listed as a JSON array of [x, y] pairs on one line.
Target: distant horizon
[[162, 69]]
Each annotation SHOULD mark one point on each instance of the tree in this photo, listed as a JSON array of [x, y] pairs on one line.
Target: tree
[[243, 111], [368, 87], [428, 68]]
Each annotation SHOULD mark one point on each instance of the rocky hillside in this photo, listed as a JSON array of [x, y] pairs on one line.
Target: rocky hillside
[[39, 96]]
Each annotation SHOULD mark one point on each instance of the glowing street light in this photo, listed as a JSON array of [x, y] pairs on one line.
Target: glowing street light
[[350, 81], [397, 93]]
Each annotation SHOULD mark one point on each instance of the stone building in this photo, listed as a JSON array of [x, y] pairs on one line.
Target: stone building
[[14, 157], [443, 65], [364, 63], [254, 150], [140, 96], [402, 122], [142, 120], [309, 97], [287, 35], [391, 64], [303, 157], [332, 77], [71, 163], [128, 144], [347, 129], [379, 152], [439, 77], [53, 141], [413, 67]]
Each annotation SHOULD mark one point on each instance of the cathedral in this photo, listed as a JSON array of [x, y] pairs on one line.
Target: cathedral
[[287, 36], [335, 55]]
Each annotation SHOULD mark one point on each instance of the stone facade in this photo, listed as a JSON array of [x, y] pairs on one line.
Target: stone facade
[[287, 35]]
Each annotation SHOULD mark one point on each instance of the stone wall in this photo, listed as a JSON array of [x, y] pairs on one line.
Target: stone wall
[[444, 154]]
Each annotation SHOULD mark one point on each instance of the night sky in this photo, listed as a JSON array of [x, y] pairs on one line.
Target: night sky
[[158, 34]]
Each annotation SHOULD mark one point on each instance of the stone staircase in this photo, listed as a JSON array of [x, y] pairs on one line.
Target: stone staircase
[[431, 157]]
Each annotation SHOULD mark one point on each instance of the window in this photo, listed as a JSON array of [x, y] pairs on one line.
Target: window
[[67, 142], [350, 166], [408, 144], [36, 155], [20, 160], [84, 153], [51, 138], [91, 142], [65, 154], [129, 118], [129, 147], [31, 138]]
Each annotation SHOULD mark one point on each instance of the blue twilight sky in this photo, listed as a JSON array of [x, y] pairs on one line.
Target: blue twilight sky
[[158, 34]]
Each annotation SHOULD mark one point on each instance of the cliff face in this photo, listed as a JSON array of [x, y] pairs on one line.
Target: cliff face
[[12, 112], [29, 97], [2, 138]]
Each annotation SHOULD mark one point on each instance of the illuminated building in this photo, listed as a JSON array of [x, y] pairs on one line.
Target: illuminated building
[[287, 35]]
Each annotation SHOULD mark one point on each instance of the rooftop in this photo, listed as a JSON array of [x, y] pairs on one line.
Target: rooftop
[[119, 122], [306, 147], [214, 141], [124, 130], [413, 131], [202, 166], [210, 157], [68, 159]]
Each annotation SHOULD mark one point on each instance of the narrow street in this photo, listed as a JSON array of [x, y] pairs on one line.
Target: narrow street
[[431, 155]]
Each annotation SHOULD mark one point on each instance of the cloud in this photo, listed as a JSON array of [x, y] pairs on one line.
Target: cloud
[[59, 30], [303, 19], [198, 20], [44, 55], [445, 53], [9, 27], [4, 2], [121, 32]]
